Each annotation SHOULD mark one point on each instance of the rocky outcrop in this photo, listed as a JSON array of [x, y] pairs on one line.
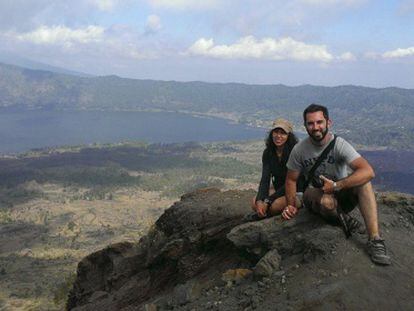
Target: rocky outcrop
[[187, 240], [201, 256]]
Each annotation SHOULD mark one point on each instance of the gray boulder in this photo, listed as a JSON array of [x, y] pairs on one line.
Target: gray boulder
[[268, 264]]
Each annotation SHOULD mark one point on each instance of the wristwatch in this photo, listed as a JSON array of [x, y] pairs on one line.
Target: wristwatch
[[335, 187], [267, 201]]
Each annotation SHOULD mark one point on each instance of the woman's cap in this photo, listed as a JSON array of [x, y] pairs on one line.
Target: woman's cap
[[283, 124]]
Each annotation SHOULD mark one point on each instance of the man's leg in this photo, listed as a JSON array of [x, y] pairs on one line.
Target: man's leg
[[368, 207], [320, 203]]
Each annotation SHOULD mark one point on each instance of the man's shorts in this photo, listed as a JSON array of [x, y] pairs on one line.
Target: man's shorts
[[346, 198]]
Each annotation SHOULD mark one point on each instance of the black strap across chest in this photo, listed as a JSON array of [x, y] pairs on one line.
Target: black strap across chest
[[318, 162]]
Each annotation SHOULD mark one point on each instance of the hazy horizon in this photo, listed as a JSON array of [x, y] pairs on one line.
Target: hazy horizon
[[32, 65]]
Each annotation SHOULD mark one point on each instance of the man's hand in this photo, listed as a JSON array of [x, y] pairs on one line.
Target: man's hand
[[261, 209], [328, 185], [289, 212]]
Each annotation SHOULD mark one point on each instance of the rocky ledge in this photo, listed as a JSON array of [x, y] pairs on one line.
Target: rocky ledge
[[201, 256]]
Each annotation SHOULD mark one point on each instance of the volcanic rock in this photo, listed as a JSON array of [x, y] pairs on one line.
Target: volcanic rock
[[186, 262]]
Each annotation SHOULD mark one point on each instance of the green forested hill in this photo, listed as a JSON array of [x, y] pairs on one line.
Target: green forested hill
[[366, 115]]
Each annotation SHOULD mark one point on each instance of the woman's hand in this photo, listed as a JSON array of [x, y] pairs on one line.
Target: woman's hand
[[261, 209], [289, 212]]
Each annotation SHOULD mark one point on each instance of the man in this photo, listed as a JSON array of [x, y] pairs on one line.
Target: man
[[337, 187]]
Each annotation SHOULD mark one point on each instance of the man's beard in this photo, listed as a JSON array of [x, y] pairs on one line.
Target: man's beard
[[318, 138]]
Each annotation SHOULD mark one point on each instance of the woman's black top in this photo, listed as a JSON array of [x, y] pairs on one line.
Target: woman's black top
[[273, 169]]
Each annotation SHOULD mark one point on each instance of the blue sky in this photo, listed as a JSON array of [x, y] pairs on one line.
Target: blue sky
[[320, 42]]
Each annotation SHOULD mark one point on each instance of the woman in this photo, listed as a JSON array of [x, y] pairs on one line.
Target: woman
[[279, 144]]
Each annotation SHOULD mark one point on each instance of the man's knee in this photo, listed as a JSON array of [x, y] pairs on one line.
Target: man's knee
[[312, 198], [364, 189], [315, 199], [328, 202]]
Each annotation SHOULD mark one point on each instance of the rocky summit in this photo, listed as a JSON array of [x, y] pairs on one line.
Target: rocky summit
[[200, 255]]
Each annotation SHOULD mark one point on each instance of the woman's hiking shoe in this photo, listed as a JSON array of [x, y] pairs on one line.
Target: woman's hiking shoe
[[378, 252], [252, 217]]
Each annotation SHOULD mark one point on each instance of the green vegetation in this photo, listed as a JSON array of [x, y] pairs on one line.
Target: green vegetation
[[60, 293], [172, 169], [57, 206], [5, 217]]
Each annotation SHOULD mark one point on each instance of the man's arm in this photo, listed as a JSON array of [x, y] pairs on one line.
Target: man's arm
[[362, 173], [290, 185]]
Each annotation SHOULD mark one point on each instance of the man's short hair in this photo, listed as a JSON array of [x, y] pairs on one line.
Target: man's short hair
[[314, 108]]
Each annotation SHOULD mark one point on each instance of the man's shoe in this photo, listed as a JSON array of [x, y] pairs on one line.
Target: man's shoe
[[378, 252], [354, 224], [349, 224]]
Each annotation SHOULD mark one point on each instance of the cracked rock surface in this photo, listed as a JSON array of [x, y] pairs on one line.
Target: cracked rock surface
[[201, 256]]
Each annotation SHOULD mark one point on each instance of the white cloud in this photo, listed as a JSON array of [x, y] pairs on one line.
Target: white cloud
[[116, 43], [347, 56], [185, 4], [153, 24], [62, 35], [266, 48], [398, 53]]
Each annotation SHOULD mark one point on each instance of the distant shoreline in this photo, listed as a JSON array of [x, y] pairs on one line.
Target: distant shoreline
[[230, 118], [26, 131]]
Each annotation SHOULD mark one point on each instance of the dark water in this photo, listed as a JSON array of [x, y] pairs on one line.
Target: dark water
[[394, 170], [24, 130]]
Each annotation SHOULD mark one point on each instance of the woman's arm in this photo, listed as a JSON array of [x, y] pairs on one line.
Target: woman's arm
[[263, 191]]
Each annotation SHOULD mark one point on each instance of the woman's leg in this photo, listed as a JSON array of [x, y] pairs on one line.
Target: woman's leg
[[279, 204], [253, 204]]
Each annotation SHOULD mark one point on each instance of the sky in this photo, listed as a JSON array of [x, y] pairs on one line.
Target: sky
[[318, 42]]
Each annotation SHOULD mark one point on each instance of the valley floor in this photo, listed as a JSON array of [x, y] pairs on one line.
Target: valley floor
[[58, 206]]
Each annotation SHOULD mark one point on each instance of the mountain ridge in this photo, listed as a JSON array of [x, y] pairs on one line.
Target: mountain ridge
[[15, 60], [368, 116]]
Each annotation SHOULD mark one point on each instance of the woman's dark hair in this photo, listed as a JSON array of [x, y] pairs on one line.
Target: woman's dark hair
[[292, 140]]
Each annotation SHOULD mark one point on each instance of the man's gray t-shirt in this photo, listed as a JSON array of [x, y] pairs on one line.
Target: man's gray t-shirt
[[335, 166]]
